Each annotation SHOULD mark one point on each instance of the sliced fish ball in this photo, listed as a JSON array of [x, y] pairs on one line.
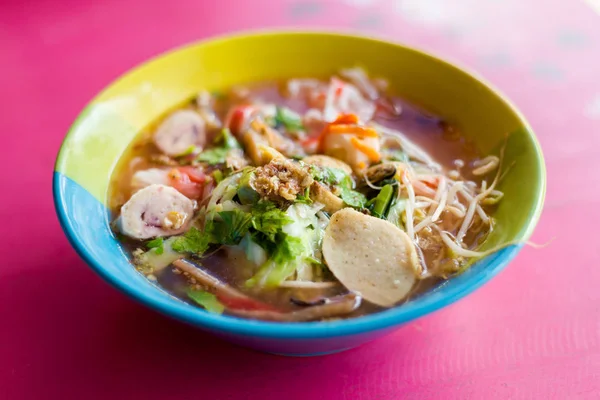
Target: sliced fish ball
[[156, 210], [180, 131], [370, 256]]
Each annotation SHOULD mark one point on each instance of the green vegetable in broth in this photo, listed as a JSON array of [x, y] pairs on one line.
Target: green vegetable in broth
[[193, 241], [289, 119], [207, 300], [268, 219], [157, 245]]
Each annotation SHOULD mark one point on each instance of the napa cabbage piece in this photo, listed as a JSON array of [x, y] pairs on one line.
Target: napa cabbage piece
[[294, 247], [159, 256]]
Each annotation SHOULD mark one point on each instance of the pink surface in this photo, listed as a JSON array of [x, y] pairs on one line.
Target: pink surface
[[532, 333]]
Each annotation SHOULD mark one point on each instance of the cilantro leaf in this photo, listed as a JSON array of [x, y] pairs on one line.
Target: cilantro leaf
[[353, 198], [156, 244], [193, 241], [329, 176], [289, 119], [233, 227], [268, 219], [304, 198], [218, 155], [282, 264], [207, 300], [288, 249], [349, 196], [227, 140]]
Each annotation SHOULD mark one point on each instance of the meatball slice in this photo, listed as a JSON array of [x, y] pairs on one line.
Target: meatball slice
[[156, 211], [180, 131], [370, 256]]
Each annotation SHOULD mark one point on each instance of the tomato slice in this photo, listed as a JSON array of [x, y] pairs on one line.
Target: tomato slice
[[244, 303], [188, 181], [238, 118], [195, 174]]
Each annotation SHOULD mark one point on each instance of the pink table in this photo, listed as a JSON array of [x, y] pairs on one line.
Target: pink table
[[533, 333]]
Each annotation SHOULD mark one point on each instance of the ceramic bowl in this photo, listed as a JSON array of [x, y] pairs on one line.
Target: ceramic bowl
[[110, 122]]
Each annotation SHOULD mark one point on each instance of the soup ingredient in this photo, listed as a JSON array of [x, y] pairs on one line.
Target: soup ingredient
[[328, 162], [258, 148], [290, 120], [319, 193], [347, 140], [380, 172], [207, 300], [179, 132], [156, 258], [156, 210], [303, 207], [229, 296], [342, 98], [225, 145], [383, 201], [147, 177], [334, 307], [370, 256], [189, 181], [281, 180]]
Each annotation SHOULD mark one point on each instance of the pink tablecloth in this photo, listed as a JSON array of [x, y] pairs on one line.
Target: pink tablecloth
[[532, 333]]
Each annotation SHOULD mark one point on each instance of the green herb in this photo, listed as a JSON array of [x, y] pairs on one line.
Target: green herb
[[268, 219], [193, 241], [157, 245], [313, 260], [190, 150], [383, 201], [218, 155], [289, 247], [329, 176], [282, 264], [233, 227], [304, 198], [227, 140], [351, 197], [207, 300], [217, 176], [289, 119]]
